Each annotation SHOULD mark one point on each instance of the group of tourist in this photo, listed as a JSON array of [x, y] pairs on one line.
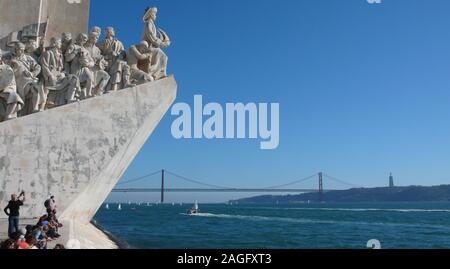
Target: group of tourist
[[35, 77], [32, 236]]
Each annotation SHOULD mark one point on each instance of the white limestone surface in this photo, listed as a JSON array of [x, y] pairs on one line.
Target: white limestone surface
[[78, 152]]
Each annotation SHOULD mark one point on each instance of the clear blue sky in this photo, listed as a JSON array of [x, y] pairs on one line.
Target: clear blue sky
[[364, 90]]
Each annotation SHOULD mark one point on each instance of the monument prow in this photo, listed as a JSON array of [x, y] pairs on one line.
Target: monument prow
[[74, 110], [78, 152]]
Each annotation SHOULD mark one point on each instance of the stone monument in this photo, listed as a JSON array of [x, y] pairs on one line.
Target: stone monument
[[30, 18], [62, 132]]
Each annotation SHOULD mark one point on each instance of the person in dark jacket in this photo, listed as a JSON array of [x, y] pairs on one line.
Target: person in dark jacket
[[12, 210]]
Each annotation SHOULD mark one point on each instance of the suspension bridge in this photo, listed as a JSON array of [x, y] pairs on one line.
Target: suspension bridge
[[205, 187]]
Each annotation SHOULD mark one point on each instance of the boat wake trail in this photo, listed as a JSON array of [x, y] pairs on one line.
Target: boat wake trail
[[314, 221], [258, 218], [365, 209]]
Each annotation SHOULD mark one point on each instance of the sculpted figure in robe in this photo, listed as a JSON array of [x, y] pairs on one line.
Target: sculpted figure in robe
[[114, 52], [10, 101], [81, 65], [158, 40], [66, 40], [101, 77], [32, 49], [26, 71], [61, 86]]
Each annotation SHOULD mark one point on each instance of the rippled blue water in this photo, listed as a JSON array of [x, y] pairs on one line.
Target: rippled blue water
[[395, 225]]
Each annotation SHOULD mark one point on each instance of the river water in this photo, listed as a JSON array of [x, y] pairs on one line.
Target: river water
[[299, 226]]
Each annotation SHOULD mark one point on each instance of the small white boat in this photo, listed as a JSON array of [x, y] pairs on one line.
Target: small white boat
[[107, 206], [194, 210], [119, 207]]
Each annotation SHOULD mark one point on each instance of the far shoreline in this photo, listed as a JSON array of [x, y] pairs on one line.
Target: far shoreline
[[407, 194]]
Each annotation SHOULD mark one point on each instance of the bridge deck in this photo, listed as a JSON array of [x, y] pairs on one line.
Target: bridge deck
[[218, 190]]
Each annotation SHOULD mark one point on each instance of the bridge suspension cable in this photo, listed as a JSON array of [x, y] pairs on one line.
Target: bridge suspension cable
[[139, 178], [341, 181], [293, 182], [196, 181]]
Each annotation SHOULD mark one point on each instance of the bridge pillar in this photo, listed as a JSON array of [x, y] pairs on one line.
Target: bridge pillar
[[321, 187], [162, 186]]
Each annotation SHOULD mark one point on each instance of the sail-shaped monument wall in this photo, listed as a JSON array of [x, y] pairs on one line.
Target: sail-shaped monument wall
[[76, 152]]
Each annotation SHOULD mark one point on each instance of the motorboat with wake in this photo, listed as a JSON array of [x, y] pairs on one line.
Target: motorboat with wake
[[194, 210]]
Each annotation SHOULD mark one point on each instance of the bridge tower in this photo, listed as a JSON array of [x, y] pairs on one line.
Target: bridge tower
[[162, 186], [320, 186]]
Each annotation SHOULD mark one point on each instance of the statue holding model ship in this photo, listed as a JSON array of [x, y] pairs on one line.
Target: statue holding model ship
[[69, 70], [158, 40]]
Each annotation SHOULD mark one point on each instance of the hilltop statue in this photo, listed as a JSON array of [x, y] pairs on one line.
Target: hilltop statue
[[158, 40], [10, 101]]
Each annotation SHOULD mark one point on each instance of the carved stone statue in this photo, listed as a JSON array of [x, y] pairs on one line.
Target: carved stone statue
[[97, 30], [138, 54], [32, 49], [62, 87], [101, 77], [26, 71], [10, 101], [81, 65], [114, 53], [34, 77], [157, 39], [66, 41]]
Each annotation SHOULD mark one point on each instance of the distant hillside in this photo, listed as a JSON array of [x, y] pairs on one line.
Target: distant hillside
[[396, 194]]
